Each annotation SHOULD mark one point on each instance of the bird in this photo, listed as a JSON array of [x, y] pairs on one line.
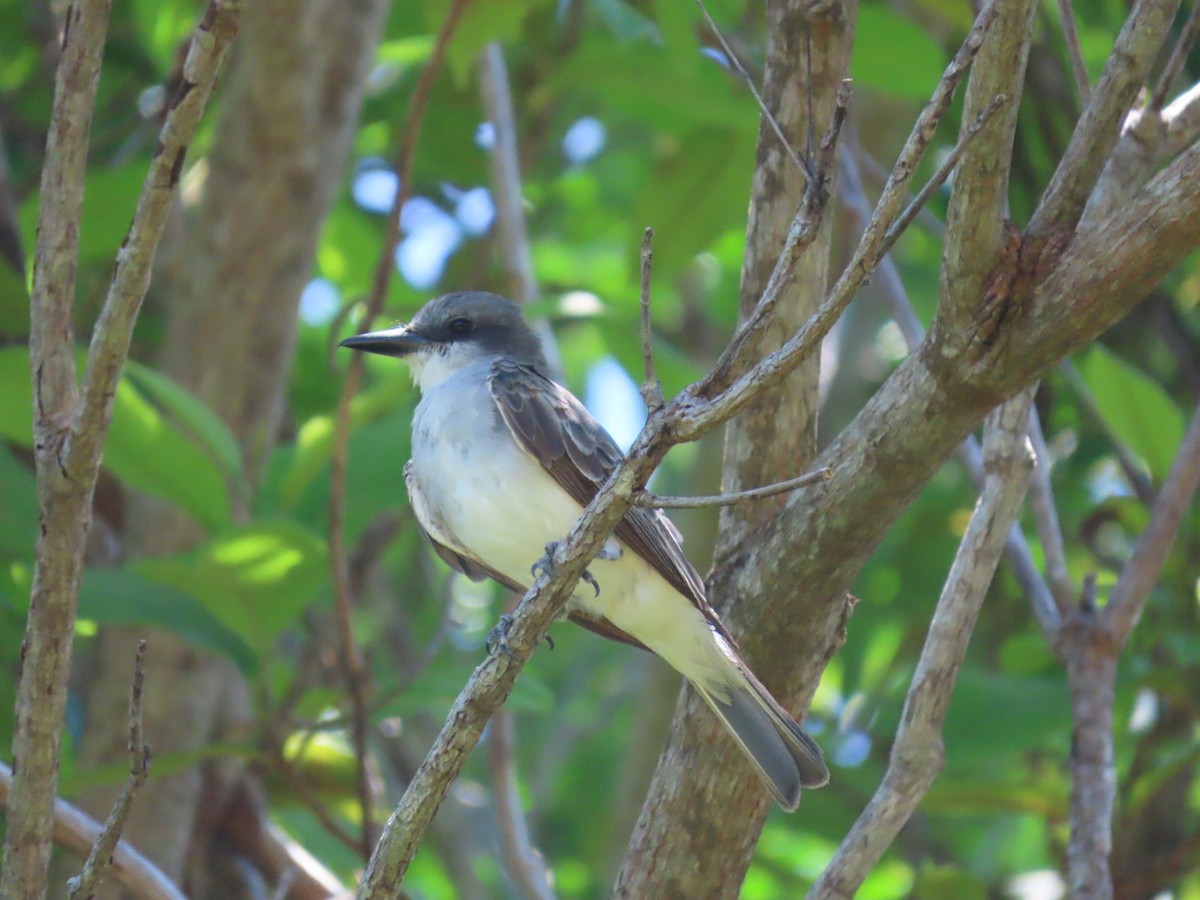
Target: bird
[[503, 461]]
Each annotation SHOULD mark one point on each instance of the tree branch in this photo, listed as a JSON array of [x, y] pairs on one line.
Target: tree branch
[[69, 431], [1140, 574], [1046, 605], [1098, 128], [918, 754], [1083, 83], [652, 392], [46, 651], [866, 256], [1183, 121], [657, 501], [521, 859], [976, 215], [78, 832], [101, 856], [803, 165]]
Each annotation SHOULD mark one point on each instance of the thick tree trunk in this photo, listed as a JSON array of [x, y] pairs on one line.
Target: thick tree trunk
[[773, 439], [287, 117]]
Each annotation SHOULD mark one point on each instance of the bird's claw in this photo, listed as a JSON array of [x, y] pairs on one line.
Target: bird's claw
[[545, 565], [497, 638], [590, 579]]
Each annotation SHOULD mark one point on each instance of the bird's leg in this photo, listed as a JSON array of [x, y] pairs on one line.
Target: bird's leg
[[497, 638], [545, 565]]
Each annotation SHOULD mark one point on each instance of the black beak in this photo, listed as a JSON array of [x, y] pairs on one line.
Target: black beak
[[392, 342]]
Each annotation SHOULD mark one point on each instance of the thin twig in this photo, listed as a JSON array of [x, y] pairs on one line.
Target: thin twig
[[309, 799], [943, 172], [1089, 655], [1099, 127], [917, 754], [1179, 55], [878, 175], [1045, 604], [866, 257], [1141, 572], [652, 392], [352, 661], [1083, 84], [86, 883], [1045, 515], [521, 859], [804, 165], [658, 501], [77, 832], [827, 153]]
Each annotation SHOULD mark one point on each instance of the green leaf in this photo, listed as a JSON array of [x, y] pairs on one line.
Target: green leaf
[[893, 55], [123, 596], [109, 199], [625, 22], [314, 442], [1135, 410], [992, 714], [142, 449], [188, 410], [18, 508], [694, 193], [255, 579], [478, 26], [677, 22]]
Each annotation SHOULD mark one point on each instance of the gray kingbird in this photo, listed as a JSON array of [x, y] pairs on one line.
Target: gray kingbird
[[503, 462]]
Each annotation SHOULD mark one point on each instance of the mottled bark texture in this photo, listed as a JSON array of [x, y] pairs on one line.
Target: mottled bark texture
[[288, 112], [1037, 302], [774, 438]]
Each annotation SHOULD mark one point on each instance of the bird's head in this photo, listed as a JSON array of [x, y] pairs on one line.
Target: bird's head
[[453, 331]]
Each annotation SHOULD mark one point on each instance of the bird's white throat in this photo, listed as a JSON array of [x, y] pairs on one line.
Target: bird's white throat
[[431, 366]]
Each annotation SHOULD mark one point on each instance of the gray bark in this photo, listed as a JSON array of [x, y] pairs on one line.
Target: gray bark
[[287, 117]]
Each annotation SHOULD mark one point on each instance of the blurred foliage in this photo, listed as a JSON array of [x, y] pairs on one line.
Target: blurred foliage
[[672, 135]]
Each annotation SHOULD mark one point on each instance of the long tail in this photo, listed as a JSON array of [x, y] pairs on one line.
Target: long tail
[[785, 757]]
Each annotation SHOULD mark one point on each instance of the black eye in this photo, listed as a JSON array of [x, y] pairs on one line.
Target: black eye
[[460, 326]]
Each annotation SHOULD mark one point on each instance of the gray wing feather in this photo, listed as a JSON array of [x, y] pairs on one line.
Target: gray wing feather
[[555, 429]]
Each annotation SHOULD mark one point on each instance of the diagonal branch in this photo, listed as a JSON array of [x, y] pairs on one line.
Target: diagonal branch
[[978, 209], [101, 856], [917, 754], [870, 248], [77, 832], [1096, 134], [657, 501], [1083, 84], [1141, 572]]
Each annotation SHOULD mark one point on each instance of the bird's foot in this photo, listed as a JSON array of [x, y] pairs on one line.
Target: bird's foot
[[545, 566], [590, 579], [497, 639]]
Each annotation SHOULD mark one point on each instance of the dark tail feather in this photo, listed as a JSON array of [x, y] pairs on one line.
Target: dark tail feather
[[786, 757]]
